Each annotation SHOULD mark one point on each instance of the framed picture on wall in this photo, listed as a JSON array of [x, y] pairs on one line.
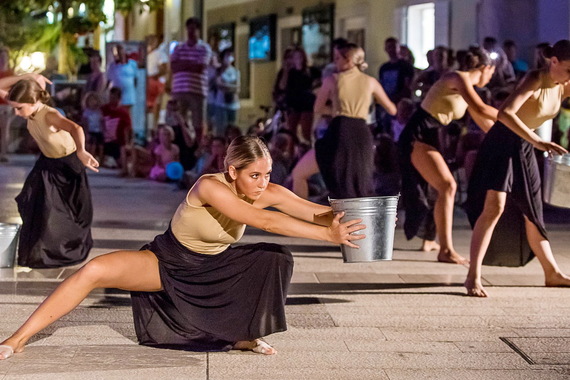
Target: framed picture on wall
[[317, 33], [222, 36], [262, 34], [356, 36]]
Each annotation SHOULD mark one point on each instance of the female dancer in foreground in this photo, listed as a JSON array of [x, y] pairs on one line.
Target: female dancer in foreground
[[422, 162], [506, 167], [191, 289], [345, 154], [55, 202]]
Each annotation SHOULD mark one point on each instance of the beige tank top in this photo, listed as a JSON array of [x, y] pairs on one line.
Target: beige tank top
[[53, 142], [443, 103], [203, 229], [543, 104], [354, 94]]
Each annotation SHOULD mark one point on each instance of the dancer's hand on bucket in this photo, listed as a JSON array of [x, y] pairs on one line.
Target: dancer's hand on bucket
[[550, 148], [88, 160], [343, 233]]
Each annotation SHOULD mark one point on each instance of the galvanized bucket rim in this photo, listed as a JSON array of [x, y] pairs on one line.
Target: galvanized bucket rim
[[361, 198]]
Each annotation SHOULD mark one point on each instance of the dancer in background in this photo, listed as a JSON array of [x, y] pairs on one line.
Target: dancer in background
[[55, 202], [506, 173], [422, 162], [345, 154], [194, 290]]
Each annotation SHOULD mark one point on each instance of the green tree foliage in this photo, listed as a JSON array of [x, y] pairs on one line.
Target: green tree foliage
[[24, 28]]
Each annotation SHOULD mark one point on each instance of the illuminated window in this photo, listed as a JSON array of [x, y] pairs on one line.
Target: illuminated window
[[420, 31]]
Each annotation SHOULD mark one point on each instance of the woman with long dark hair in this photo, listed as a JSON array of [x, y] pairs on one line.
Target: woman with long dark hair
[[423, 166], [506, 179]]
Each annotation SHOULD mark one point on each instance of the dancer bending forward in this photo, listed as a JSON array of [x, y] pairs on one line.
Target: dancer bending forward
[[191, 289], [506, 168], [422, 162]]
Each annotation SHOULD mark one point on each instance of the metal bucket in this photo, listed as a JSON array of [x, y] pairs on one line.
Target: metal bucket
[[379, 216], [556, 184], [8, 244]]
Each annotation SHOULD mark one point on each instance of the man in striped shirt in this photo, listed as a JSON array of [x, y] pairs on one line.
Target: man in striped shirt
[[188, 63]]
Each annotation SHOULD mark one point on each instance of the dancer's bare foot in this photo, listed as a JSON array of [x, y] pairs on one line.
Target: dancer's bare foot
[[9, 347], [429, 245], [475, 289], [449, 256], [557, 279], [257, 345]]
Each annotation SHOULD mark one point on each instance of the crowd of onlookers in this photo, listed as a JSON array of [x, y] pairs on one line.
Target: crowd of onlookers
[[194, 114]]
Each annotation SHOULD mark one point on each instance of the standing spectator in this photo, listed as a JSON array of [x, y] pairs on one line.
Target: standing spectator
[[96, 81], [94, 122], [5, 110], [504, 72], [520, 67], [299, 94], [156, 66], [396, 77], [188, 63], [281, 81], [227, 100], [407, 55], [50, 72], [438, 67], [122, 74], [406, 108], [330, 68], [118, 129]]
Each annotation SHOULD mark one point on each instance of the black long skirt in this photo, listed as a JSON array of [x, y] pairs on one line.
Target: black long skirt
[[209, 302], [418, 198], [56, 211], [345, 155], [507, 163]]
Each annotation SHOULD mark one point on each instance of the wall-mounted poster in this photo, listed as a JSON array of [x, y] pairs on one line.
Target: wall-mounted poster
[[221, 36], [317, 33]]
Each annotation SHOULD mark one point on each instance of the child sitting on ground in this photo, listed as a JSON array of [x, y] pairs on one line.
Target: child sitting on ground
[[165, 153]]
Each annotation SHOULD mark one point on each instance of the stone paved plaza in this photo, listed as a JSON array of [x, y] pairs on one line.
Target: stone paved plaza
[[400, 320]]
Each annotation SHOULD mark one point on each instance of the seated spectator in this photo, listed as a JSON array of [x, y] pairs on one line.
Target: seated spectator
[[164, 153], [117, 132], [140, 160], [212, 152], [184, 135], [519, 66], [282, 148]]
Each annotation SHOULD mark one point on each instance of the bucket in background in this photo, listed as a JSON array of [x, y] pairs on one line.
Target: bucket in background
[[379, 216], [8, 244]]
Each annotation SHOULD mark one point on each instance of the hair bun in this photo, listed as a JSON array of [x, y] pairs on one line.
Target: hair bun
[[548, 52], [362, 66]]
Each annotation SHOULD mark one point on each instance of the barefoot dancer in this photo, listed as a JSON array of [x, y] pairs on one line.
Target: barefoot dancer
[[55, 202], [422, 161], [506, 167], [191, 289]]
